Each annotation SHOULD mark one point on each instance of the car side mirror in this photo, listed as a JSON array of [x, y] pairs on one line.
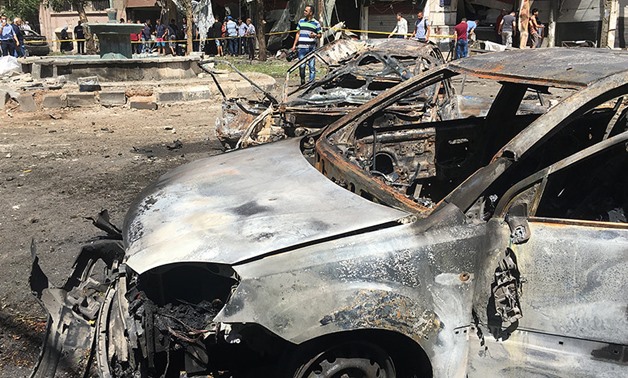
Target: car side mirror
[[517, 219]]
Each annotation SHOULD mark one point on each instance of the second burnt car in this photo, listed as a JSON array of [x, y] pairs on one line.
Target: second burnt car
[[357, 71], [36, 44], [385, 246]]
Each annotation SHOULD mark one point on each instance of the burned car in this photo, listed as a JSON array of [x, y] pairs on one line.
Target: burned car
[[384, 246], [35, 43], [357, 71]]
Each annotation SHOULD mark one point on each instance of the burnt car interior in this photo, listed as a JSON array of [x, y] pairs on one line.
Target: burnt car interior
[[592, 189], [600, 196], [420, 162], [568, 194]]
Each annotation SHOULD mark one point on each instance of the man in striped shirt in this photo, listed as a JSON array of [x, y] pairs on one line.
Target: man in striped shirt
[[308, 32]]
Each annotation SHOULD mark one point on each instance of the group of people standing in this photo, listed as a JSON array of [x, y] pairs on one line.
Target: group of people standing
[[12, 37], [164, 38], [507, 28], [421, 30], [233, 37], [464, 32]]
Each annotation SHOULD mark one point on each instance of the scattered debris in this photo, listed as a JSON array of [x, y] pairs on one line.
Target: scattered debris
[[175, 145]]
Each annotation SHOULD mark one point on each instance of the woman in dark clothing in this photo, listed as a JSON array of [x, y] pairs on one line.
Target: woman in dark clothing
[[66, 45], [214, 32]]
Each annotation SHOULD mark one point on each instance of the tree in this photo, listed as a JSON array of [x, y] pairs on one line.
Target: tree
[[79, 6], [26, 9], [189, 16], [261, 37]]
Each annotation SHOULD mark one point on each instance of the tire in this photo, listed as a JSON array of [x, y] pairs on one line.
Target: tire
[[355, 359]]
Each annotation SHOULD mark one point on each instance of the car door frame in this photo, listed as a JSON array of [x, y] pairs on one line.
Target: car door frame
[[532, 350]]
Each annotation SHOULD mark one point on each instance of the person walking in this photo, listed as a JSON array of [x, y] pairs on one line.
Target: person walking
[[214, 45], [421, 28], [20, 51], [174, 35], [161, 35], [507, 27], [534, 27], [79, 35], [498, 22], [460, 36], [8, 39], [250, 38], [471, 25], [401, 29], [308, 32], [171, 33], [232, 34]]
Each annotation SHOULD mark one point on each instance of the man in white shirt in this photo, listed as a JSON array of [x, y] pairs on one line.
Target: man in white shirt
[[401, 29], [241, 40], [250, 38]]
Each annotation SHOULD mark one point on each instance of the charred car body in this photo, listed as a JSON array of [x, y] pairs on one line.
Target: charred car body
[[383, 247], [358, 70], [36, 44]]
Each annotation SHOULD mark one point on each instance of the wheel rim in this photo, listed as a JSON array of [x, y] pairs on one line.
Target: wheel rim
[[351, 360]]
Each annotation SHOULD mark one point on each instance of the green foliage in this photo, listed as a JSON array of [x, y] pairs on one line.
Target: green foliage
[[275, 68], [25, 9], [59, 5]]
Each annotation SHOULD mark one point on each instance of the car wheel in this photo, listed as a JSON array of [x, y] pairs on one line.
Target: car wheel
[[348, 360]]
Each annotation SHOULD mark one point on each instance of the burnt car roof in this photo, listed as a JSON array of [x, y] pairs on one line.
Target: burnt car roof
[[337, 53], [557, 67]]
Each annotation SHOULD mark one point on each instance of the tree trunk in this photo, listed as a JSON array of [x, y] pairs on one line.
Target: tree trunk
[[606, 18], [189, 17], [261, 38], [524, 18], [90, 46]]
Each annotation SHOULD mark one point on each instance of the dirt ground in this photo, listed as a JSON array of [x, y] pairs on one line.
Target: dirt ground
[[59, 167]]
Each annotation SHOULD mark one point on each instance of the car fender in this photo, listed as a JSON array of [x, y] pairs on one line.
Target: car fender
[[335, 287]]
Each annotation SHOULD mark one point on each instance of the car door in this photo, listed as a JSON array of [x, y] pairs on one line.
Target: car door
[[553, 300]]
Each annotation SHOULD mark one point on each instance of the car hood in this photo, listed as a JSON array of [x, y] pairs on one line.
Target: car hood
[[240, 206]]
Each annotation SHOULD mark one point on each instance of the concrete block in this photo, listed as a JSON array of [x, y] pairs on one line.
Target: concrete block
[[168, 97], [27, 102], [112, 98], [143, 104], [4, 98], [193, 95], [54, 101], [76, 100]]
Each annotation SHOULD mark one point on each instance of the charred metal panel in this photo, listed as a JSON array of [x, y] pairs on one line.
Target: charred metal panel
[[401, 280], [552, 122], [570, 272], [532, 354], [559, 67], [74, 309], [241, 205]]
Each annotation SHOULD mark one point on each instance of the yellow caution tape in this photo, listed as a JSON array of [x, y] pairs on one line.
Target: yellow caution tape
[[268, 34]]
